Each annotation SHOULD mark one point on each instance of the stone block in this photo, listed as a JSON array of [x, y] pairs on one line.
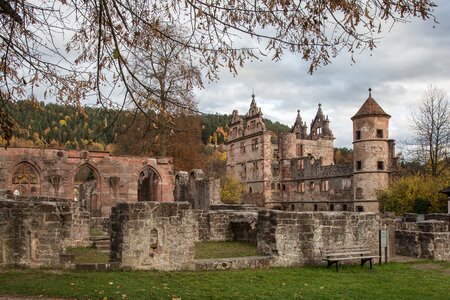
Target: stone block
[[432, 226]]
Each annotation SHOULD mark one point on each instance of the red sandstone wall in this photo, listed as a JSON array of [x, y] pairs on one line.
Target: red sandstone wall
[[56, 171]]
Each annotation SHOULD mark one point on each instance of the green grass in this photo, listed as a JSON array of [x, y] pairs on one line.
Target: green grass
[[96, 232], [421, 280], [204, 250], [86, 255]]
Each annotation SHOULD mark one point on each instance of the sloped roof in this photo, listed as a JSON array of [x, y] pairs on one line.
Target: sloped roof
[[370, 108], [445, 191]]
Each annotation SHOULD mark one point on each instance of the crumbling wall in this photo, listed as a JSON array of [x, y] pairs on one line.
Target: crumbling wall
[[227, 222], [296, 238], [423, 237], [152, 235], [196, 189], [35, 231]]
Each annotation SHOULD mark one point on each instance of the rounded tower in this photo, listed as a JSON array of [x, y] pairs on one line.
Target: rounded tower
[[370, 155]]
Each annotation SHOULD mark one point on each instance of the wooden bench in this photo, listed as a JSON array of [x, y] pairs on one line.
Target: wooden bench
[[335, 255]]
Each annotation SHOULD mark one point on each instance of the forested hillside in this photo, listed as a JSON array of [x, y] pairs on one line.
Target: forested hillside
[[186, 138]]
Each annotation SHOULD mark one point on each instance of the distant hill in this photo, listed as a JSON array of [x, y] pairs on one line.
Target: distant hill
[[75, 127]]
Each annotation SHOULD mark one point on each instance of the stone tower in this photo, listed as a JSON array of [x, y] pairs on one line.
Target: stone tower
[[372, 157]]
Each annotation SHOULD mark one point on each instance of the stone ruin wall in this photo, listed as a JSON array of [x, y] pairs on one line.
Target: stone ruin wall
[[55, 169], [35, 231], [153, 236], [227, 222], [423, 236], [296, 238], [161, 235]]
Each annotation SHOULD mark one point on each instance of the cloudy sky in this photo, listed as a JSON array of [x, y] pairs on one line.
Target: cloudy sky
[[406, 61]]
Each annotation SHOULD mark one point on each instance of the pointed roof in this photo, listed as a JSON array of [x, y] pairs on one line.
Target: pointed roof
[[370, 108], [319, 115]]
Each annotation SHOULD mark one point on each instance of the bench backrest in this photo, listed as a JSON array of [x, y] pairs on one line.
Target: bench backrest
[[346, 251]]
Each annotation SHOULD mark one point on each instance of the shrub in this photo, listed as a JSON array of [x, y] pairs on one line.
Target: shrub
[[414, 192], [231, 189], [421, 206]]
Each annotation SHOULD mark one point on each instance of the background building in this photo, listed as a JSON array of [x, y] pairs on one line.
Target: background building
[[296, 171]]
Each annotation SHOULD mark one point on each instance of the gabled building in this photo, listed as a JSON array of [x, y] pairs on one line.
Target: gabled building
[[296, 171]]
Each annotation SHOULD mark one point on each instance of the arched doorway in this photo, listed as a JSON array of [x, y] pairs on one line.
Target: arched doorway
[[25, 180], [85, 189], [149, 185]]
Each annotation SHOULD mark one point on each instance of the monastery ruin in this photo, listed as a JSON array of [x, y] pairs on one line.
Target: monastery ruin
[[297, 203], [296, 171]]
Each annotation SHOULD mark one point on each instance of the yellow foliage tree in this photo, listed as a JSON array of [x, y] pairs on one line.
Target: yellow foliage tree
[[231, 189], [404, 194]]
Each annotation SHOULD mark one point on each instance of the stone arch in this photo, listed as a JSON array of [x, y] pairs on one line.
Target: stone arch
[[25, 179], [149, 185], [86, 183]]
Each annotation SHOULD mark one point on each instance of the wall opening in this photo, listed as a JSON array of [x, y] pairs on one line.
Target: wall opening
[[153, 243], [149, 185], [85, 188]]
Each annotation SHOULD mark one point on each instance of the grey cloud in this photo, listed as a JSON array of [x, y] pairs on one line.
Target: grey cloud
[[407, 60]]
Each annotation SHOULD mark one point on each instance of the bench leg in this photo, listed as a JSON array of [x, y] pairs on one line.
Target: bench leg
[[331, 262], [364, 260]]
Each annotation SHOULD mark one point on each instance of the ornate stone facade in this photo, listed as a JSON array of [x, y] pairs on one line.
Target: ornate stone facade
[[297, 170], [96, 179]]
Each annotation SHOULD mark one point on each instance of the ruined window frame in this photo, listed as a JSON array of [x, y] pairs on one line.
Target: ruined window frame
[[300, 164], [324, 186], [254, 144], [301, 187], [299, 150], [242, 147]]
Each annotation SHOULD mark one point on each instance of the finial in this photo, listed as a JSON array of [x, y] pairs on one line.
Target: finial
[[370, 92], [253, 94], [320, 104], [298, 111]]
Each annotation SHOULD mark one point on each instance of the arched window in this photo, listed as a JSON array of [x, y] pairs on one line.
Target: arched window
[[25, 180], [149, 185]]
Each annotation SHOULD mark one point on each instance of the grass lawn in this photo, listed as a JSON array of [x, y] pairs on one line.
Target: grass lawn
[[86, 255], [419, 280], [205, 250]]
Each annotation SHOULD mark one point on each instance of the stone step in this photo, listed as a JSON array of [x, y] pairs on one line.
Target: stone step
[[102, 244], [99, 238], [98, 266], [233, 263]]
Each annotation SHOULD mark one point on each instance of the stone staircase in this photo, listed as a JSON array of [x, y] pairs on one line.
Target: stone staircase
[[101, 243]]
